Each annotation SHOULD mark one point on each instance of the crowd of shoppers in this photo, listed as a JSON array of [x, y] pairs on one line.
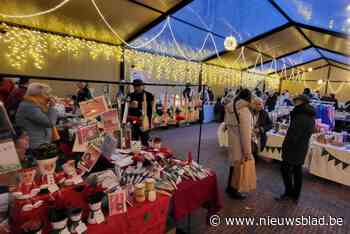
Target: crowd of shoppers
[[247, 122]]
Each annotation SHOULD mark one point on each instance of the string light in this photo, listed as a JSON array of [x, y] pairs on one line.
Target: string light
[[36, 14], [26, 45]]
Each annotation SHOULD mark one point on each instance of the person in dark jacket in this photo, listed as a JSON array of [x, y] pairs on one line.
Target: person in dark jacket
[[136, 110], [84, 93], [271, 102], [16, 96], [295, 147], [263, 123]]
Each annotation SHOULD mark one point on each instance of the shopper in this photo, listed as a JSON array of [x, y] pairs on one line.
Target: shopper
[[295, 147], [211, 95], [136, 110], [239, 124], [271, 102], [263, 123], [16, 97], [187, 93], [307, 93], [333, 99], [219, 111], [36, 115], [6, 87], [84, 93]]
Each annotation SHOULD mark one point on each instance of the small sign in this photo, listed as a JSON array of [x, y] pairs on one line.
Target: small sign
[[9, 160]]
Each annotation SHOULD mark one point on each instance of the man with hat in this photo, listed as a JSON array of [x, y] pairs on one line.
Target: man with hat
[[295, 147], [136, 110], [16, 96]]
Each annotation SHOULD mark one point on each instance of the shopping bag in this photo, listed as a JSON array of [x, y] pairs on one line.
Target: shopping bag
[[222, 136], [244, 176]]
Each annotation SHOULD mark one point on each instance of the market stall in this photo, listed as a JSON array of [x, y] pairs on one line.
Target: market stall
[[107, 178], [331, 163]]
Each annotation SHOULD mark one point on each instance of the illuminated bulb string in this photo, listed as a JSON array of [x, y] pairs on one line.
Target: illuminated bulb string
[[167, 23], [38, 13], [119, 37]]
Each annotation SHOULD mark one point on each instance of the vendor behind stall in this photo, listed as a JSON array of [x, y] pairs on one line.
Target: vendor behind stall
[[136, 110]]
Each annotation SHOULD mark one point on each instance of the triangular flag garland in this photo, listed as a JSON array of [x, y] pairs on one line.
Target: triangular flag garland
[[330, 158], [336, 161], [273, 149], [324, 152]]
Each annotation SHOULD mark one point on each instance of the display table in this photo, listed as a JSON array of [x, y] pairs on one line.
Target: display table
[[192, 195], [273, 146], [330, 162], [146, 217], [208, 112]]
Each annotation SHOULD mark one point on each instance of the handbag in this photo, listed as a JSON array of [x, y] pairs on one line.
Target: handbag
[[244, 176]]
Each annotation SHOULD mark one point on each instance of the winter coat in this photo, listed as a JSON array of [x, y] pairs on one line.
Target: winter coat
[[239, 134], [36, 123], [6, 87], [264, 124], [13, 100], [296, 142]]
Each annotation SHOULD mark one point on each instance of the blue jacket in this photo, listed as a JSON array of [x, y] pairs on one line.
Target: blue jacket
[[36, 123]]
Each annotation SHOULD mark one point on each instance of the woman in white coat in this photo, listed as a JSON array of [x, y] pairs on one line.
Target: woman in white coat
[[239, 124]]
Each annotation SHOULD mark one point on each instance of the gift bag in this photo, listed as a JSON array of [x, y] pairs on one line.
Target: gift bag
[[244, 176], [222, 136]]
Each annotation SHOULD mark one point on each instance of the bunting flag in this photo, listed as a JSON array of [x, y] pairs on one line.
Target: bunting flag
[[273, 149], [324, 152]]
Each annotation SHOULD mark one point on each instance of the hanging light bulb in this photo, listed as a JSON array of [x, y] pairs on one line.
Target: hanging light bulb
[[319, 82], [230, 43], [309, 69]]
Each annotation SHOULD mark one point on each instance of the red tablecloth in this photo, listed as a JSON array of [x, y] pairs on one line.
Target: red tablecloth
[[147, 217], [192, 195]]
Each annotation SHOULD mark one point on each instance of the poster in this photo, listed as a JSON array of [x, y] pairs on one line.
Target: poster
[[87, 133], [89, 159], [110, 121], [117, 202], [9, 160], [94, 107]]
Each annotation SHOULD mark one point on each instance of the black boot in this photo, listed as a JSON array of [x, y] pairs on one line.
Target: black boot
[[237, 195], [229, 188]]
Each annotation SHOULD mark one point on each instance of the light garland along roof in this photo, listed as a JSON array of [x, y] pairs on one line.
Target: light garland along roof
[[288, 33]]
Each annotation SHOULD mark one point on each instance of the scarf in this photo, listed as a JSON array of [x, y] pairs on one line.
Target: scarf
[[40, 101]]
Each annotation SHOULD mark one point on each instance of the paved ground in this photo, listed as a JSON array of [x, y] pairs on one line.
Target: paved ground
[[319, 197]]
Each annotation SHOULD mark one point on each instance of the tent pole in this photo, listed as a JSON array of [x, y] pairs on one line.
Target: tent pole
[[327, 82], [201, 115]]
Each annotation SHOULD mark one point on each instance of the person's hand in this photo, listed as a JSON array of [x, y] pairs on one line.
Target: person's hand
[[134, 104], [52, 102], [247, 156]]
